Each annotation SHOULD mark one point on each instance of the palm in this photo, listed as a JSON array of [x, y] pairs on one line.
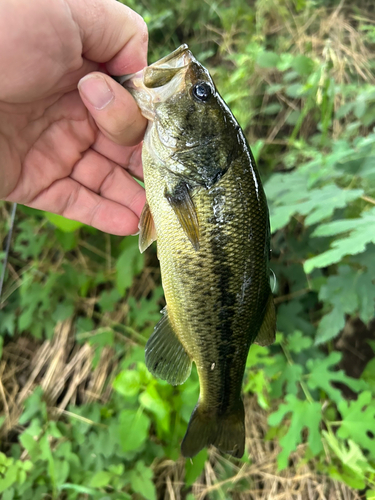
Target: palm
[[55, 156], [62, 162]]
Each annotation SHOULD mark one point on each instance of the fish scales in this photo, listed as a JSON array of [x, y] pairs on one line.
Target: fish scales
[[210, 218]]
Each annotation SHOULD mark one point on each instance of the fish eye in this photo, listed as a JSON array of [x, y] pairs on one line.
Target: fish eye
[[201, 91]]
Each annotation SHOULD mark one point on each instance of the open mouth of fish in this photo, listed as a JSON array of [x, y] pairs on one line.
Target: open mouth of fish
[[159, 81]]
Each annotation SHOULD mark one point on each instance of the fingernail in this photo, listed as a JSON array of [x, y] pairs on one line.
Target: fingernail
[[96, 90]]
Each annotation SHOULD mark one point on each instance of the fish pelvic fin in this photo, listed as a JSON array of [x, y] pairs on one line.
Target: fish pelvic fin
[[225, 432], [165, 355]]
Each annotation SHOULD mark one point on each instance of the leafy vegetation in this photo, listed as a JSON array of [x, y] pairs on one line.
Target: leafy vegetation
[[81, 415]]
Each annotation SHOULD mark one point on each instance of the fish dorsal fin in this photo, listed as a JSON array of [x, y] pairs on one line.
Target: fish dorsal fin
[[183, 206], [166, 357], [147, 229], [266, 334]]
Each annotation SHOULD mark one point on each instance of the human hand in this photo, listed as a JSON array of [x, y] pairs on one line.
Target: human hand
[[62, 150]]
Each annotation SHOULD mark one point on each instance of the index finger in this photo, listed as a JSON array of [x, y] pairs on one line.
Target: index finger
[[111, 33]]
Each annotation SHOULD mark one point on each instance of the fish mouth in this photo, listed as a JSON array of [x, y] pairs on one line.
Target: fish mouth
[[159, 81]]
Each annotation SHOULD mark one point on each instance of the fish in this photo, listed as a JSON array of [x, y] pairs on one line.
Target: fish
[[207, 209]]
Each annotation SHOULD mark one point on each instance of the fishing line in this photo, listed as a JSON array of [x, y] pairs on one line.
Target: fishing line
[[7, 247]]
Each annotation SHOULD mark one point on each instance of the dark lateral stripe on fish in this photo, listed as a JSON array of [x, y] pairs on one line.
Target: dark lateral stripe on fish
[[226, 300]]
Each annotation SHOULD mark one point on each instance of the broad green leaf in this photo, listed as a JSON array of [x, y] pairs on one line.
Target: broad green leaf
[[303, 415], [258, 355], [322, 375], [134, 427], [152, 401], [290, 376], [297, 342], [359, 236], [66, 225], [79, 489], [350, 456], [141, 481], [351, 290], [330, 325], [358, 419], [303, 65], [34, 405], [267, 59], [194, 467], [8, 478], [100, 479], [129, 264], [290, 194], [128, 383], [368, 375], [259, 385], [108, 300]]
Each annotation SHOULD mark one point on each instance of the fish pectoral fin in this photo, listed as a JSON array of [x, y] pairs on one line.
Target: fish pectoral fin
[[266, 334], [183, 206], [147, 229], [166, 357]]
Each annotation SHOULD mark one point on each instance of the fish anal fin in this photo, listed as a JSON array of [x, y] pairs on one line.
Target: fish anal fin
[[267, 332], [147, 229], [225, 432], [166, 357], [183, 206]]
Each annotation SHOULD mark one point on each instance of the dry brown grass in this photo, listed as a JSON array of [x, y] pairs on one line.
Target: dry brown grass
[[60, 366]]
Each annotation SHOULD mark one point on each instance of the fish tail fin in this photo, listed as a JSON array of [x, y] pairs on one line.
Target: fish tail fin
[[226, 432]]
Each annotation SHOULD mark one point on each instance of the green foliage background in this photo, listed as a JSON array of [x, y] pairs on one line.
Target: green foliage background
[[298, 76]]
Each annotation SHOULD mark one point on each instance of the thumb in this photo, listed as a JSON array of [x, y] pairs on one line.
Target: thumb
[[113, 109]]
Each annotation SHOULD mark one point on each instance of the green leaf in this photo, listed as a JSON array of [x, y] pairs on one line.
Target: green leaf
[[134, 427], [101, 479], [304, 415], [34, 405], [359, 236], [303, 65], [66, 225], [108, 300], [330, 325], [194, 467], [151, 400], [141, 481], [128, 383], [358, 419], [322, 375], [9, 477], [289, 376], [368, 374], [267, 59], [129, 264], [297, 342], [272, 109], [351, 290], [351, 456], [79, 489], [258, 355]]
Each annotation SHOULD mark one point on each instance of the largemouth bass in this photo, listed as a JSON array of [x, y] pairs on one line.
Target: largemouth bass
[[207, 209]]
